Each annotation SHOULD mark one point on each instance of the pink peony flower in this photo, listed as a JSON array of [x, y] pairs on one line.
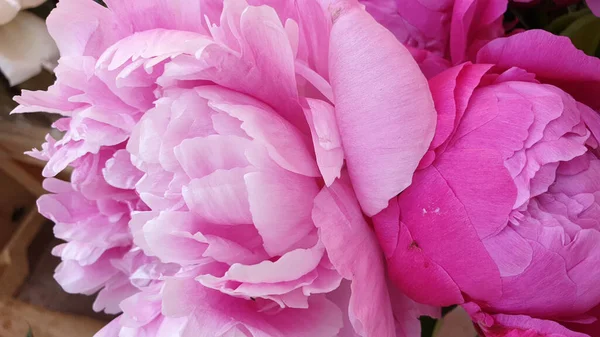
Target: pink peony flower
[[450, 29], [208, 140], [92, 216], [503, 213]]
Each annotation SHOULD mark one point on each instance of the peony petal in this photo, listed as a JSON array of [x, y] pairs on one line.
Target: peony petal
[[552, 58], [408, 313], [326, 139], [382, 103], [168, 14], [431, 220], [120, 172], [200, 157], [213, 313], [76, 279], [174, 237], [281, 203], [511, 252], [84, 28], [410, 268], [221, 197], [499, 325], [353, 250], [286, 145], [461, 170]]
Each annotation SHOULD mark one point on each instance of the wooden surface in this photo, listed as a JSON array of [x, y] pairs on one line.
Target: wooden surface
[[14, 265], [15, 201], [16, 318], [26, 264]]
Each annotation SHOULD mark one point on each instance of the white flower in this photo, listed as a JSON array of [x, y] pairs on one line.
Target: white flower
[[25, 45]]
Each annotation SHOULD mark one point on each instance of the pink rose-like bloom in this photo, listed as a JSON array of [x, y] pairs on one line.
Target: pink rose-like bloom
[[450, 29], [503, 215], [224, 154]]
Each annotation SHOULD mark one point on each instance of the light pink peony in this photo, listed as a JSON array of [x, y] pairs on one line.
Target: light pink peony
[[451, 29], [209, 140], [503, 213]]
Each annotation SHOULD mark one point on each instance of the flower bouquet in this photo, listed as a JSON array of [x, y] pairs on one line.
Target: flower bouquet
[[322, 168]]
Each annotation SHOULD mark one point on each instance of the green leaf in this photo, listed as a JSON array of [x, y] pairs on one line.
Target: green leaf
[[30, 333], [584, 33], [562, 22]]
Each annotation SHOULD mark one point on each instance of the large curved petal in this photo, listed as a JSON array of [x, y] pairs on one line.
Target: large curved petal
[[383, 106], [552, 58]]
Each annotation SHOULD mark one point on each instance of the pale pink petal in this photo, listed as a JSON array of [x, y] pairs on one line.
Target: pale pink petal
[[286, 145], [281, 203], [120, 172], [75, 278], [84, 28], [320, 116], [353, 250], [174, 237], [220, 197], [167, 14], [214, 314], [200, 157]]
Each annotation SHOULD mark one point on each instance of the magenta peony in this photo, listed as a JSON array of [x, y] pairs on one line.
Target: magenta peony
[[451, 29], [208, 139], [503, 215]]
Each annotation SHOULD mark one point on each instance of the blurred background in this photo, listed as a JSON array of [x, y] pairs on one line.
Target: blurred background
[[30, 299]]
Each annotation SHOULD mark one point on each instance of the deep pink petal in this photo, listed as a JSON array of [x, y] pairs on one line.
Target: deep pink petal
[[552, 58]]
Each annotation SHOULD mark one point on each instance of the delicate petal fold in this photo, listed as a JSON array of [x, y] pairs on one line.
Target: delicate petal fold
[[353, 250]]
